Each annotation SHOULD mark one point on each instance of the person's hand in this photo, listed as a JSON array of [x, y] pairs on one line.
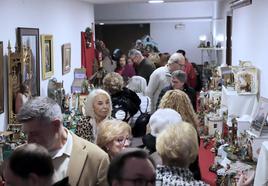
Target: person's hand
[[246, 179]]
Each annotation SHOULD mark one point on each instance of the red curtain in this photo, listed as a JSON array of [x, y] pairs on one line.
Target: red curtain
[[87, 55]]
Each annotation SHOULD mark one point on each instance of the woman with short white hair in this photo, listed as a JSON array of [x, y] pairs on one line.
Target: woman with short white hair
[[177, 145]]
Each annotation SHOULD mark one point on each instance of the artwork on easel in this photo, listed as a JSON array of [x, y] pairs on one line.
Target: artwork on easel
[[259, 125], [227, 76], [246, 80]]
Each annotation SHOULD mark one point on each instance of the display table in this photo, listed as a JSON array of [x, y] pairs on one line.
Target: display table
[[238, 104], [261, 177]]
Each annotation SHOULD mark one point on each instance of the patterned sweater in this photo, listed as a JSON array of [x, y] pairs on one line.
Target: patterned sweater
[[175, 176]]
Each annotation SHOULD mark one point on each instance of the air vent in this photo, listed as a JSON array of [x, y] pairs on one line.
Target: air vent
[[239, 3]]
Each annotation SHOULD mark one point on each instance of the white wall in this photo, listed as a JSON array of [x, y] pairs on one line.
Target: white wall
[[170, 39], [250, 39], [63, 19], [196, 16]]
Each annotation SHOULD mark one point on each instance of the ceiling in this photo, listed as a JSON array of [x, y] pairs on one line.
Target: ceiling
[[136, 1]]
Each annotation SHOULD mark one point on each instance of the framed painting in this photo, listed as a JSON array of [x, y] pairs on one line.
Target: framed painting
[[259, 124], [66, 58], [1, 78], [29, 37], [47, 56]]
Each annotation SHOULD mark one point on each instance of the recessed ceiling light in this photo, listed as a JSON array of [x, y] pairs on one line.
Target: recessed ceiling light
[[101, 23], [156, 1]]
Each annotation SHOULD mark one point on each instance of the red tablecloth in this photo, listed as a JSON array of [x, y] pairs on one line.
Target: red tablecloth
[[206, 158]]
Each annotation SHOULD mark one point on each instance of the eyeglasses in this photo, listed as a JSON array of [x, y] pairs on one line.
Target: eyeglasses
[[139, 181], [122, 140], [181, 65]]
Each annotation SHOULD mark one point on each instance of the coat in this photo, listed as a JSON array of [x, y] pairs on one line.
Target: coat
[[88, 164]]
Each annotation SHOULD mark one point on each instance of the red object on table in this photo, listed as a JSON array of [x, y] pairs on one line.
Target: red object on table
[[206, 159]]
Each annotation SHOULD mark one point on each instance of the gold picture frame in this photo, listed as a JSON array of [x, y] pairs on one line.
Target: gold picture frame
[[47, 56], [66, 58]]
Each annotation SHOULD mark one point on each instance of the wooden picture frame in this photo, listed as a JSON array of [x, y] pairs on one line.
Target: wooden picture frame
[[29, 37], [259, 123], [1, 78], [47, 56], [66, 58]]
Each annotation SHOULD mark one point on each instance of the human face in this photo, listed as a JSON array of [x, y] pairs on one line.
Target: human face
[[135, 59], [180, 65], [41, 132], [137, 172], [119, 143], [101, 106], [122, 61], [176, 83]]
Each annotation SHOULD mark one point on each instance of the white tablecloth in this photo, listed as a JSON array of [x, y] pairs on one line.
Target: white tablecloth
[[237, 104], [261, 176]]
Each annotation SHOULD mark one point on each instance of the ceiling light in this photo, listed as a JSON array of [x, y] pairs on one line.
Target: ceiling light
[[101, 23], [156, 1]]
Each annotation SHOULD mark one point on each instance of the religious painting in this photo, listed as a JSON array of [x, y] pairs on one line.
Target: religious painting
[[66, 58], [28, 38], [47, 56]]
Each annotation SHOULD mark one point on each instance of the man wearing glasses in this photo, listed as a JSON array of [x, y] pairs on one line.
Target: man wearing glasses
[[133, 167]]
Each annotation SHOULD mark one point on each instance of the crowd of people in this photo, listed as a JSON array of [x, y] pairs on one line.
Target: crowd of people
[[103, 151]]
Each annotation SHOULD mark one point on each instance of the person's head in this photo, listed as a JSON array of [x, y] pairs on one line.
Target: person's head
[[162, 118], [113, 136], [180, 102], [98, 104], [42, 122], [122, 60], [177, 145], [164, 57], [113, 83], [180, 51], [137, 84], [132, 167], [136, 56], [176, 62], [178, 79], [29, 165], [154, 58]]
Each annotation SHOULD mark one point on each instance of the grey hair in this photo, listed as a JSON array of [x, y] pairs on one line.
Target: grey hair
[[40, 108], [134, 52], [180, 75], [137, 84], [89, 110], [175, 58]]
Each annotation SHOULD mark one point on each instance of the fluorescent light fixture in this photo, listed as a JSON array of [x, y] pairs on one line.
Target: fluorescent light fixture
[[101, 23], [156, 1]]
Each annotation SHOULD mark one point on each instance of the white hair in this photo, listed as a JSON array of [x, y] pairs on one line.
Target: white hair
[[137, 84], [175, 58]]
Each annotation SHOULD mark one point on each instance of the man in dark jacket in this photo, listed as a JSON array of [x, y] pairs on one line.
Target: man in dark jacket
[[143, 67], [178, 81]]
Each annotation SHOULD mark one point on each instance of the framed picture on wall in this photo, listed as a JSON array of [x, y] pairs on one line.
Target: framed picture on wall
[[47, 56], [29, 37], [1, 78], [66, 58]]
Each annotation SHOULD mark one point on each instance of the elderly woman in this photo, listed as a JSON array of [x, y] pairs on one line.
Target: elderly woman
[[180, 102], [177, 145], [113, 136], [138, 85], [125, 102], [98, 107]]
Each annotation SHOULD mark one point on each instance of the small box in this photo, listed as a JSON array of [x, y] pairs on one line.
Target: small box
[[79, 77]]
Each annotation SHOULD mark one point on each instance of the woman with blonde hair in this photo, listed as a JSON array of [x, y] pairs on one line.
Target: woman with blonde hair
[[179, 101], [177, 145], [113, 136], [98, 107]]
